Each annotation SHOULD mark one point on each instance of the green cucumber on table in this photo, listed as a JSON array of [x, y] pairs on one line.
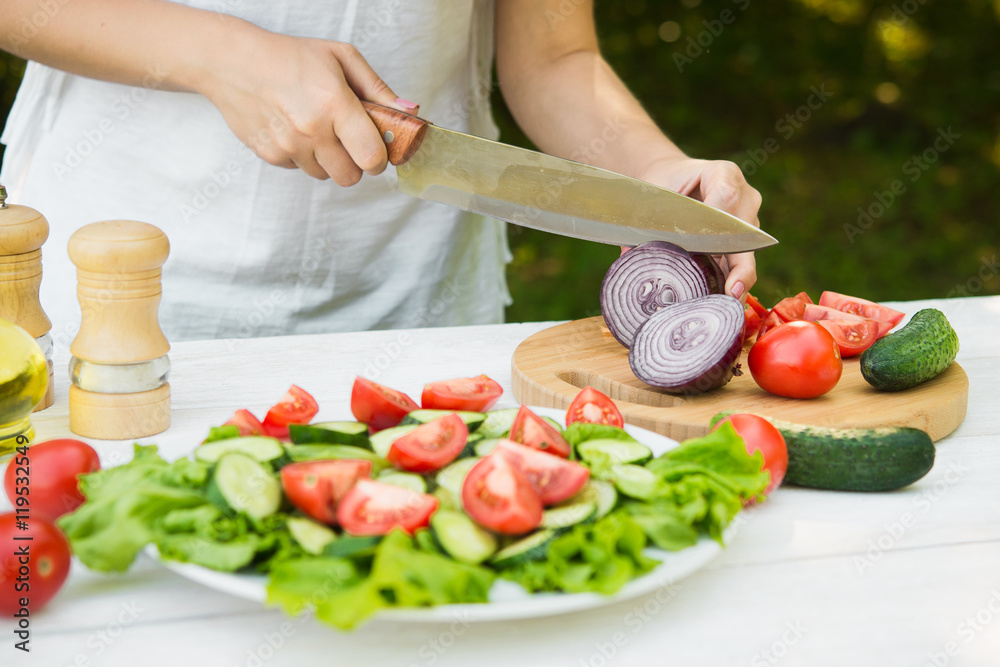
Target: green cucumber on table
[[920, 351]]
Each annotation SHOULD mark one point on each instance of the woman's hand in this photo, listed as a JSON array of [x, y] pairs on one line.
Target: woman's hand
[[720, 184], [295, 102]]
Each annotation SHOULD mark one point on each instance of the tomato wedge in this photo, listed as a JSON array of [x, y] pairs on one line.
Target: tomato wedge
[[530, 429], [852, 338], [316, 487], [296, 407], [500, 497], [867, 309], [771, 321], [375, 508], [431, 446], [792, 308], [593, 407], [758, 307], [246, 423], [477, 394], [378, 406], [554, 478], [815, 313], [751, 323]]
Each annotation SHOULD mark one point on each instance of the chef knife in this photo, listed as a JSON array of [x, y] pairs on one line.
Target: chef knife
[[552, 194]]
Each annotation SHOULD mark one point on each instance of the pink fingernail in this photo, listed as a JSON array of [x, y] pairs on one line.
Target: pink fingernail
[[406, 104], [737, 289]]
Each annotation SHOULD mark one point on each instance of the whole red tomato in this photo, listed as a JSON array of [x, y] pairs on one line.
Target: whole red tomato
[[31, 570], [798, 359], [48, 474], [760, 435]]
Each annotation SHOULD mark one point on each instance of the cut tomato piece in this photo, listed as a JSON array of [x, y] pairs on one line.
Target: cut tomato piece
[[431, 446], [593, 407], [751, 323], [247, 424], [815, 313], [477, 394], [500, 497], [867, 309], [378, 406], [771, 321], [792, 308], [758, 307], [852, 338], [375, 508], [316, 487], [554, 478], [530, 429], [296, 407]]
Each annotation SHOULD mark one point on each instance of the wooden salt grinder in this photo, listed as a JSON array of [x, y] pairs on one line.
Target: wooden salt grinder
[[118, 274], [23, 230]]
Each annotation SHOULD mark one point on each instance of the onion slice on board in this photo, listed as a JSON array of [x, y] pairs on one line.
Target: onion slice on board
[[689, 347], [646, 279]]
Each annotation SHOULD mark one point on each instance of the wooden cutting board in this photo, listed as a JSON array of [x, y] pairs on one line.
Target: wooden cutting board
[[549, 369]]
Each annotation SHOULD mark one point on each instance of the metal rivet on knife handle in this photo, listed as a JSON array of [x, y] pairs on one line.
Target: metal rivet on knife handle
[[401, 131]]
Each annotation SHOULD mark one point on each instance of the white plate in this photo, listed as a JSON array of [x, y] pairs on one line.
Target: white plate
[[507, 600]]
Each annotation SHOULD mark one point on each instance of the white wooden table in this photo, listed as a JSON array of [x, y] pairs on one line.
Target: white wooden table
[[810, 578]]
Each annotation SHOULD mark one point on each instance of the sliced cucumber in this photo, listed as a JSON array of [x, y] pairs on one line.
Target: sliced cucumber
[[406, 480], [352, 545], [567, 516], [616, 451], [554, 424], [447, 500], [470, 446], [245, 485], [453, 477], [605, 496], [461, 537], [333, 433], [327, 452], [257, 447], [484, 447], [532, 547], [498, 423], [634, 481], [382, 441], [311, 535], [472, 419]]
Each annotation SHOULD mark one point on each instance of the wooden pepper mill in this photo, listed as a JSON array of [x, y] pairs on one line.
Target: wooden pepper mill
[[119, 367], [23, 230]]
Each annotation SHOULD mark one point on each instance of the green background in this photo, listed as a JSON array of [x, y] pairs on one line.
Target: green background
[[897, 74]]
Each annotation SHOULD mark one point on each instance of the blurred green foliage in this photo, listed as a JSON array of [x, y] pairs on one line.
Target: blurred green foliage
[[895, 75]]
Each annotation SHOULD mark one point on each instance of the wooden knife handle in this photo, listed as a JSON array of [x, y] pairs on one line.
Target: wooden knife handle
[[401, 132]]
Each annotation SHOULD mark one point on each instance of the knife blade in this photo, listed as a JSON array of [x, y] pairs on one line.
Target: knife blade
[[544, 192]]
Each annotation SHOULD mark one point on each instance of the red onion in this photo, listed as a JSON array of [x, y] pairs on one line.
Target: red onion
[[689, 347], [713, 273], [647, 278]]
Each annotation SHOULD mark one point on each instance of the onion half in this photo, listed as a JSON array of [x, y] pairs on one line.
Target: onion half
[[648, 278], [689, 347]]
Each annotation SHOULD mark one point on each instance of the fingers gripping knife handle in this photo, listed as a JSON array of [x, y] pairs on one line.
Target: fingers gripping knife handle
[[401, 132]]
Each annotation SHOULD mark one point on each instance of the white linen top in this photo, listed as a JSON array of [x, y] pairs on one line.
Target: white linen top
[[258, 250]]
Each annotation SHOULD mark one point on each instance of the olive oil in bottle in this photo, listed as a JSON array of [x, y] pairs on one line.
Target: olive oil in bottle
[[24, 377]]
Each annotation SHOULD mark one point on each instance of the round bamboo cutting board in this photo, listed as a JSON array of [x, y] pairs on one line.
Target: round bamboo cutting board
[[549, 369]]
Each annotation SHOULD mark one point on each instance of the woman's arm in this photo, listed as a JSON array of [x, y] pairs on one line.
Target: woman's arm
[[565, 97], [294, 101]]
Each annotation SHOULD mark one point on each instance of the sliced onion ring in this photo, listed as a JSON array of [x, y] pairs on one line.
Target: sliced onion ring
[[690, 347], [648, 278]]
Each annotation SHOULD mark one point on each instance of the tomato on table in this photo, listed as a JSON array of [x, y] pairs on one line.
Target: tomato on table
[[797, 359], [246, 422], [317, 487], [296, 407], [430, 446], [792, 308], [500, 497], [48, 564], [852, 338], [530, 429], [379, 406], [554, 478], [593, 407], [375, 508], [867, 309], [50, 472], [477, 394], [760, 435]]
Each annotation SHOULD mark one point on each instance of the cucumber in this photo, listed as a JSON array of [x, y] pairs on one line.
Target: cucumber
[[498, 423], [352, 545], [533, 547], [617, 451], [311, 535], [406, 480], [257, 447], [382, 441], [461, 537], [452, 477], [327, 452], [484, 447], [241, 484], [472, 419], [921, 350], [563, 517], [604, 494], [857, 459], [333, 433], [634, 481], [554, 424]]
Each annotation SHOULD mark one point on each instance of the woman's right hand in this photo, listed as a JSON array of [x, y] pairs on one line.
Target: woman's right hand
[[295, 102]]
